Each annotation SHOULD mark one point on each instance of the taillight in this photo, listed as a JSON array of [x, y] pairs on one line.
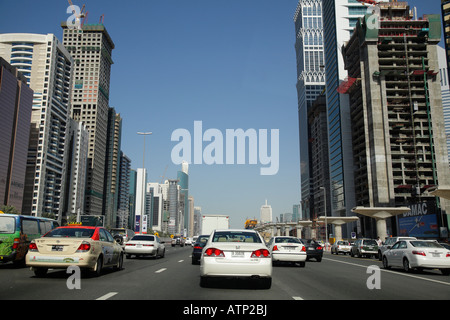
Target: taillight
[[16, 243], [261, 253], [148, 245], [275, 248], [84, 246], [448, 255], [304, 249], [130, 244], [319, 248], [420, 253], [32, 247], [213, 252], [198, 247]]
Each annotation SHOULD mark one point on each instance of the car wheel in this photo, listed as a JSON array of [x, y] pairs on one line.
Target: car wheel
[[265, 283], [40, 272], [98, 267], [119, 265], [406, 265], [302, 264], [204, 281], [351, 254], [163, 253], [385, 263], [380, 258]]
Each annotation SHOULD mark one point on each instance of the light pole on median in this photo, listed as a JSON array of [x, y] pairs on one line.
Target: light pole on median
[[143, 180], [325, 209]]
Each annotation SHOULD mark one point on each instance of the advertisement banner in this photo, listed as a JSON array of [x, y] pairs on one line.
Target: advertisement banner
[[420, 222]]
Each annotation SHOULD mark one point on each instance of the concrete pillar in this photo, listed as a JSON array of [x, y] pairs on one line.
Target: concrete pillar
[[381, 228]]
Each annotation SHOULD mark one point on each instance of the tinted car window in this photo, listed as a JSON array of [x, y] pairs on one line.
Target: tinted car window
[[236, 236], [71, 233], [144, 238]]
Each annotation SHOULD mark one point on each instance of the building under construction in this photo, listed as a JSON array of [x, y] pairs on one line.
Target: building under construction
[[399, 143]]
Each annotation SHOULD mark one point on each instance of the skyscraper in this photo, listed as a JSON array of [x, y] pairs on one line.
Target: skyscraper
[[16, 99], [399, 141], [266, 213], [91, 49], [340, 18], [48, 67], [310, 81]]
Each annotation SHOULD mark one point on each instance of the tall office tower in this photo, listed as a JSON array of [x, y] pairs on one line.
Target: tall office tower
[[132, 201], [310, 83], [197, 220], [399, 143], [266, 213], [173, 196], [140, 210], [91, 50], [123, 204], [183, 177], [156, 218], [112, 163], [77, 145], [340, 17], [48, 67], [446, 22], [445, 91], [319, 158], [16, 100], [191, 217]]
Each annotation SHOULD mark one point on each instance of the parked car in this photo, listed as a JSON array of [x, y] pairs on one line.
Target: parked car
[[289, 249], [198, 247], [235, 253], [417, 254], [364, 248], [341, 246], [122, 235], [389, 243], [145, 245], [313, 249], [91, 248], [178, 240]]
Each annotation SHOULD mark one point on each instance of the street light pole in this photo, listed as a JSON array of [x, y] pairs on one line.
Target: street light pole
[[325, 209], [143, 181]]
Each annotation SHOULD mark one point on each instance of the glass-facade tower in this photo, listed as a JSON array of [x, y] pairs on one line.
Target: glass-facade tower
[[310, 82]]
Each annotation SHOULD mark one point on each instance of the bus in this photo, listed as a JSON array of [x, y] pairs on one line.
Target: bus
[[16, 233]]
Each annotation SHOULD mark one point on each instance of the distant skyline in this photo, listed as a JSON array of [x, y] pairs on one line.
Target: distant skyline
[[230, 64]]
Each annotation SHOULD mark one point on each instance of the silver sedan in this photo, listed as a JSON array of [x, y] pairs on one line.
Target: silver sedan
[[145, 245], [417, 254]]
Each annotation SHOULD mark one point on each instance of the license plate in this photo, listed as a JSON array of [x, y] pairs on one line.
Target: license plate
[[237, 254], [57, 248], [139, 246], [436, 255], [310, 248]]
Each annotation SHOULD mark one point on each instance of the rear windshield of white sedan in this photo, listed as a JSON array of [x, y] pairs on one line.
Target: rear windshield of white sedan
[[236, 236], [70, 233], [143, 238], [425, 244], [287, 240]]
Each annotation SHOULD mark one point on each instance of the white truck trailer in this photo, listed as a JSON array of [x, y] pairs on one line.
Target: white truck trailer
[[214, 221]]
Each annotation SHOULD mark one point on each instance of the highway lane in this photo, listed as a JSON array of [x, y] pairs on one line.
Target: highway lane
[[175, 278]]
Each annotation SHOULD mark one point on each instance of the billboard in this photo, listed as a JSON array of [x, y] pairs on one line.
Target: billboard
[[420, 222]]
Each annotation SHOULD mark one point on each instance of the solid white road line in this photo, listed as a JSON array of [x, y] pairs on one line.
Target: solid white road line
[[181, 261], [161, 270], [107, 296], [297, 298]]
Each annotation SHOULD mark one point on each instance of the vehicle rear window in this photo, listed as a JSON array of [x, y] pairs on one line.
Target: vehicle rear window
[[425, 244], [370, 243], [144, 238], [236, 236], [71, 233], [287, 240], [7, 224]]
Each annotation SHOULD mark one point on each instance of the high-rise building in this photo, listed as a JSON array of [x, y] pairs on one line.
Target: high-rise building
[[394, 94], [91, 48], [16, 99], [140, 209], [445, 91], [340, 18], [112, 168], [183, 178], [174, 214], [48, 67], [77, 145], [266, 213], [123, 204], [310, 82], [445, 5]]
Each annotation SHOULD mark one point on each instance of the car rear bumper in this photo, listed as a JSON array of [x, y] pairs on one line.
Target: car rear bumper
[[214, 267], [60, 261], [289, 257], [141, 251]]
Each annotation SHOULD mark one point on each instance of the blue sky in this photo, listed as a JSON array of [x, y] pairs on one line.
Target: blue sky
[[228, 63]]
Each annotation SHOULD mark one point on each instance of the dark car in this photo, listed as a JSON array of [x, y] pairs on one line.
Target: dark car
[[313, 249], [198, 247]]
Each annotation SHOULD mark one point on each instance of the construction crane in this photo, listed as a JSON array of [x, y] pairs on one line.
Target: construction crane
[[164, 175]]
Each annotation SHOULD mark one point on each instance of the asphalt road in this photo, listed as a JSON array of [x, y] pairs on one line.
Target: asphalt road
[[175, 278]]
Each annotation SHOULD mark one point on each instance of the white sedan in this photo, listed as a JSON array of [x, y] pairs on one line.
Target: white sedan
[[145, 245], [236, 254], [420, 254], [291, 249]]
